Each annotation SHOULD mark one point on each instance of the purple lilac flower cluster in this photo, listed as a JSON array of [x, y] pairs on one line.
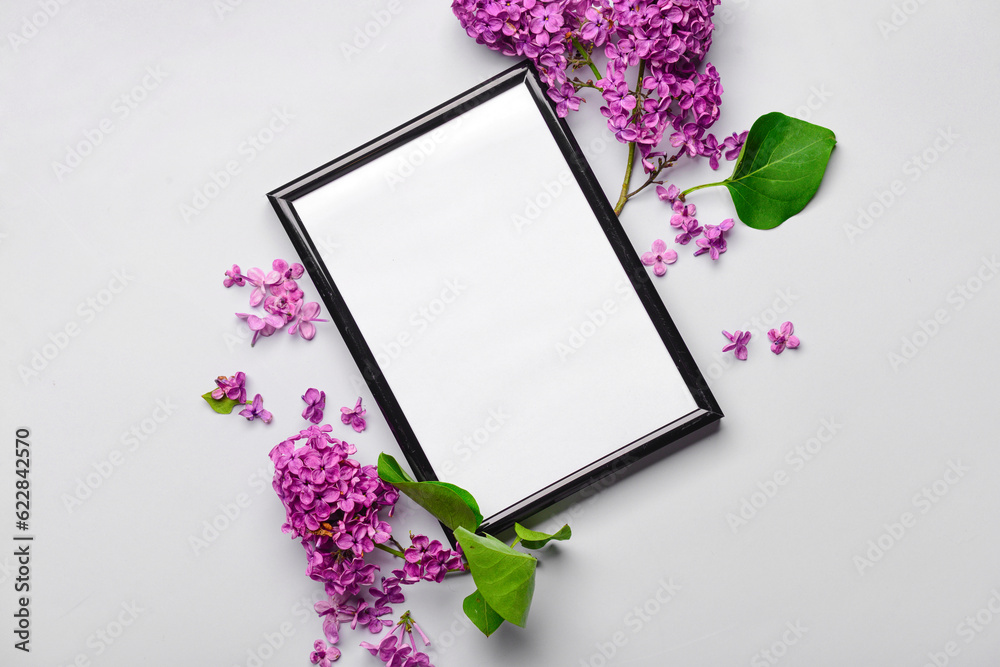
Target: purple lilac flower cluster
[[315, 404], [428, 559], [709, 239], [235, 389], [714, 240], [781, 340], [667, 40], [355, 418], [535, 29], [394, 651], [425, 559], [334, 505], [737, 343], [330, 499], [658, 257], [281, 298]]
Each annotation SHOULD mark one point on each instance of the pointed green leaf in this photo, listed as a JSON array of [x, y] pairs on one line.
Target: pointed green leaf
[[779, 169], [484, 616], [390, 471], [452, 505], [223, 406], [466, 498], [532, 539], [506, 578]]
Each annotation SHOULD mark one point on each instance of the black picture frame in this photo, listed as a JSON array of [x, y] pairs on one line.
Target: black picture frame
[[522, 76]]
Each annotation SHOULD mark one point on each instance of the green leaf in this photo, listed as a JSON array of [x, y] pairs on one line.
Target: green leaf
[[506, 578], [452, 505], [223, 406], [390, 471], [532, 539], [779, 169], [482, 614]]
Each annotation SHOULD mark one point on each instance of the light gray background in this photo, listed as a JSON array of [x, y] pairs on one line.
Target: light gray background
[[303, 72]]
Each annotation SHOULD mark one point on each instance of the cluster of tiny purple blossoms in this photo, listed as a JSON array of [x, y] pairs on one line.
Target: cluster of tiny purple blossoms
[[235, 389], [334, 505], [281, 298], [780, 340], [667, 40], [710, 239]]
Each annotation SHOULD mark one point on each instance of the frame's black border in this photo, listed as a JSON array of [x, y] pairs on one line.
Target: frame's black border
[[283, 198]]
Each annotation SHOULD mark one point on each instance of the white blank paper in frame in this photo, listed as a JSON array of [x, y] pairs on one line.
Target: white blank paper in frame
[[494, 304]]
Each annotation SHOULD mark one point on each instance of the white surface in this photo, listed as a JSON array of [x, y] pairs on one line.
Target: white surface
[[279, 73], [508, 387]]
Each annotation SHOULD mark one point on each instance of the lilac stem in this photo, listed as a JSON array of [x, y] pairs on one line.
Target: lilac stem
[[631, 146], [590, 62], [390, 550], [682, 195], [652, 177]]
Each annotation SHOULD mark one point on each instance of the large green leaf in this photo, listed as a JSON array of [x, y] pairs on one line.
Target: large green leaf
[[532, 539], [779, 169], [506, 578], [452, 505], [482, 614], [223, 406]]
